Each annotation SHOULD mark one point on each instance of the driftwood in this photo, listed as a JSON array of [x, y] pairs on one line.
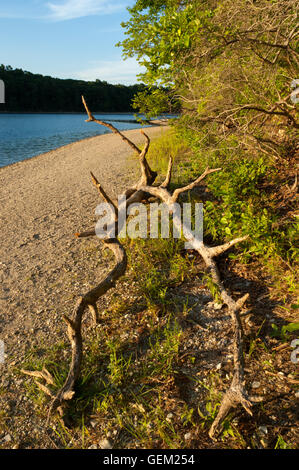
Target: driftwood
[[142, 190]]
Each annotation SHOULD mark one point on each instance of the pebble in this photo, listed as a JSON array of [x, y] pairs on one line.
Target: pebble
[[217, 306], [105, 444], [93, 446], [188, 436], [255, 384], [263, 429], [169, 417], [297, 394], [7, 438]]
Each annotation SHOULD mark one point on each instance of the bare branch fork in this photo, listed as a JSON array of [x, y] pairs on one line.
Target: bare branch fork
[[143, 189]]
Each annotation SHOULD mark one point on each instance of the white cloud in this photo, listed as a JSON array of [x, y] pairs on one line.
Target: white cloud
[[70, 9], [59, 10], [112, 71]]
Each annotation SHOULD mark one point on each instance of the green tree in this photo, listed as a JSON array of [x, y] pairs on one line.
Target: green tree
[[158, 32], [229, 62]]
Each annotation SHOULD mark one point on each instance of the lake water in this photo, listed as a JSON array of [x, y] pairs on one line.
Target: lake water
[[26, 135]]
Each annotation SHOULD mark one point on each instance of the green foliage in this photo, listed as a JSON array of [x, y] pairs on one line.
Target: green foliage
[[240, 179], [239, 202], [233, 80], [283, 332], [118, 366], [158, 265], [51, 359], [169, 145], [151, 104], [164, 348], [157, 32], [242, 208], [213, 288], [281, 444]]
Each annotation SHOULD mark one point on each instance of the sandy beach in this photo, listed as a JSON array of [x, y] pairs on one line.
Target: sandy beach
[[43, 267]]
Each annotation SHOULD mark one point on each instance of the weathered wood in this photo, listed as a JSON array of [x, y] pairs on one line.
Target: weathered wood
[[74, 325], [144, 189]]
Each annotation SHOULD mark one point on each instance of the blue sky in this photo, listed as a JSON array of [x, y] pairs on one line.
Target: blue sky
[[66, 38]]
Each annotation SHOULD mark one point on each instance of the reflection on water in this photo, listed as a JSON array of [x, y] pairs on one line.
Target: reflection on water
[[26, 135]]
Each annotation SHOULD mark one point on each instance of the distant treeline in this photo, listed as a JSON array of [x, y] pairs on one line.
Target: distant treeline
[[28, 92]]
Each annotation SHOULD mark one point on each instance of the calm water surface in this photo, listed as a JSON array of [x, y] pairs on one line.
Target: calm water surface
[[26, 135]]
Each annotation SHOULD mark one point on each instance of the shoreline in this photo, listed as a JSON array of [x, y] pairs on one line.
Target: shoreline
[[62, 147], [45, 200], [65, 112], [156, 124], [106, 113], [44, 269]]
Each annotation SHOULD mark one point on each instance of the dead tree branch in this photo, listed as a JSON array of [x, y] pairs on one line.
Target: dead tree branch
[[236, 394], [74, 324]]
